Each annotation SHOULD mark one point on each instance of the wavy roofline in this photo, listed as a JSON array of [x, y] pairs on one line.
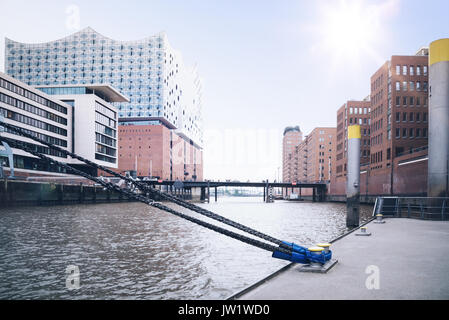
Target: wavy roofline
[[90, 29]]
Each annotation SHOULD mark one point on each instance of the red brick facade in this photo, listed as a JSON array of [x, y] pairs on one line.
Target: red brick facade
[[156, 151]]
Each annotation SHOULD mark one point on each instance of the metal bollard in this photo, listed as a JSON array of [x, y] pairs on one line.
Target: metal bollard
[[363, 232], [325, 246], [379, 218], [317, 251]]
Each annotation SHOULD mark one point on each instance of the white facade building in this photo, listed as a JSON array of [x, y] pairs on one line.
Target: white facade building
[[80, 119], [150, 72], [94, 120]]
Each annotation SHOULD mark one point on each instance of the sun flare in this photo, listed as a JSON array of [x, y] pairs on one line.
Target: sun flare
[[350, 29]]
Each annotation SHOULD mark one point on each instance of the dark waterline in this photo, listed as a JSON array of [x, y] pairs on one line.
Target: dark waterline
[[132, 251]]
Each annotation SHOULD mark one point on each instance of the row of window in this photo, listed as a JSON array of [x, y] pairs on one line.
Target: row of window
[[412, 86], [411, 117], [32, 109], [410, 101], [360, 121], [105, 158], [104, 120], [359, 110], [32, 122], [43, 149], [105, 110], [48, 139], [411, 133], [105, 130], [410, 70], [32, 96], [105, 140], [105, 150]]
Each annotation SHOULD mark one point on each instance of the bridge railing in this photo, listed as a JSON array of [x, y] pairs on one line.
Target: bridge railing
[[425, 208]]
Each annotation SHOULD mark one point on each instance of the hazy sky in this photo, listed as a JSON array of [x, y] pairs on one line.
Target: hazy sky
[[265, 64]]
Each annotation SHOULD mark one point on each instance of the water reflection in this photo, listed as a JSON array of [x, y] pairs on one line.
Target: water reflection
[[132, 251]]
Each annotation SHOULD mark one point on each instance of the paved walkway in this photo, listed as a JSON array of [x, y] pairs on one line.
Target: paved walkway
[[412, 257]]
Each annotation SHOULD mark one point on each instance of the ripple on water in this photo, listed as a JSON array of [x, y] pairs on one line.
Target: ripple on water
[[132, 251]]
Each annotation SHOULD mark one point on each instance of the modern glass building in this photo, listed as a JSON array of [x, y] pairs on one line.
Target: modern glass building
[[149, 72]]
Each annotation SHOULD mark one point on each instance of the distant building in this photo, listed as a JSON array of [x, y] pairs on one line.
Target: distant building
[[291, 139], [94, 119], [399, 122], [314, 155], [351, 113], [161, 90], [41, 116]]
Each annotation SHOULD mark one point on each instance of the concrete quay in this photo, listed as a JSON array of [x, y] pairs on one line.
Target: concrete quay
[[402, 259]]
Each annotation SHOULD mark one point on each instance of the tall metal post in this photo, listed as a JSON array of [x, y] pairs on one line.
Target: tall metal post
[[353, 177], [438, 166]]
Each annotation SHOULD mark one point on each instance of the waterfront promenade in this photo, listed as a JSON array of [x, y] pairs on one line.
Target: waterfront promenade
[[411, 257]]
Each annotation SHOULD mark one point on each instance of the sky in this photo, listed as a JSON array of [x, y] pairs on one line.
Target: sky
[[265, 65]]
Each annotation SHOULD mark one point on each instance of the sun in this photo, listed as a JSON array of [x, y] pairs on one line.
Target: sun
[[349, 29]]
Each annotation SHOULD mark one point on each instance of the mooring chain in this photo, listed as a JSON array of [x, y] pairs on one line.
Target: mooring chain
[[146, 188], [146, 200]]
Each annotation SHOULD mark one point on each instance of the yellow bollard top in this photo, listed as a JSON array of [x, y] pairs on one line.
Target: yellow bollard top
[[323, 245], [379, 215], [363, 228], [316, 249]]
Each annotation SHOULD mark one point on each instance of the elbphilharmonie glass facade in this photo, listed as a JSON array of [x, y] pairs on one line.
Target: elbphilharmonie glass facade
[[148, 71]]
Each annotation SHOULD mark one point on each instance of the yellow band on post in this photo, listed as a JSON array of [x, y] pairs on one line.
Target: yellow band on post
[[439, 51], [354, 132]]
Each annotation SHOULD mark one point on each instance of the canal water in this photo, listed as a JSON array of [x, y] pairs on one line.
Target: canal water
[[132, 251]]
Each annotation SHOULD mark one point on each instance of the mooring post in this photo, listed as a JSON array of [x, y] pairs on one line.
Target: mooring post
[[353, 177], [438, 163], [216, 196]]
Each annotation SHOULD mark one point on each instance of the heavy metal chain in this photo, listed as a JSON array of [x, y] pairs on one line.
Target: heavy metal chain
[[146, 200], [148, 189]]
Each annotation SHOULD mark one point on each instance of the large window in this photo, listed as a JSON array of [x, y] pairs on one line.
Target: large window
[[32, 96]]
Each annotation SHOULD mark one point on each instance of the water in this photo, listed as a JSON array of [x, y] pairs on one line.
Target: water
[[132, 251]]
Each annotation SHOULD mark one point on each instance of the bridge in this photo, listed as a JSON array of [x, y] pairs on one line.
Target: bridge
[[185, 187]]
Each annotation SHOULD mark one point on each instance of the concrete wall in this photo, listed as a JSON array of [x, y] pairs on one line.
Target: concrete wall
[[19, 193]]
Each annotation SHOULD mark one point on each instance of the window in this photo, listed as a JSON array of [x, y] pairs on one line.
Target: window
[[398, 101], [350, 110], [404, 117], [418, 117], [412, 71], [412, 86], [404, 101], [398, 70], [411, 133], [424, 117], [404, 70], [412, 101], [398, 86], [404, 86], [404, 133], [424, 132], [425, 70], [418, 70], [398, 116], [411, 117], [418, 86], [418, 132], [398, 133]]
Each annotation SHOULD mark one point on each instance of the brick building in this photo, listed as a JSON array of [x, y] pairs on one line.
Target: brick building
[[399, 118], [157, 151], [352, 112], [292, 138]]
